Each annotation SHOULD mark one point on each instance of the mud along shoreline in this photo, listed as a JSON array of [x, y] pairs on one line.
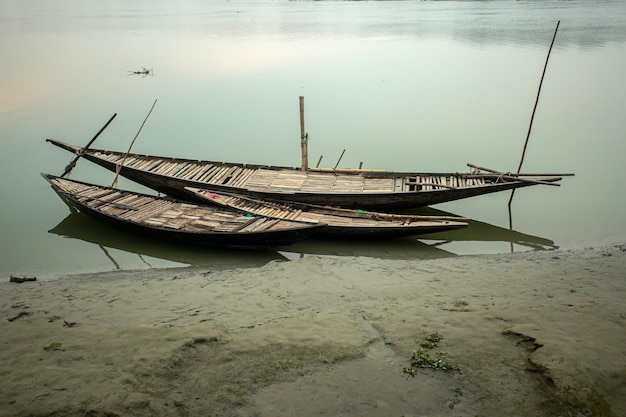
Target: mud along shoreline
[[536, 333]]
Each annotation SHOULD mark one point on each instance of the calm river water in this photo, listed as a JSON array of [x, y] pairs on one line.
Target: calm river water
[[407, 85]]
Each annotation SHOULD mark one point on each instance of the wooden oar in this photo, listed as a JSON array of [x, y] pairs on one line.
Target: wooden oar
[[72, 164]]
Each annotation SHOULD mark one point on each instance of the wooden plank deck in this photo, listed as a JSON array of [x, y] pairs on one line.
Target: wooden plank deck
[[292, 181], [318, 183]]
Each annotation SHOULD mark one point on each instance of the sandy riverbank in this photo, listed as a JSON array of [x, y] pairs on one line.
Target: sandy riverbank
[[534, 334]]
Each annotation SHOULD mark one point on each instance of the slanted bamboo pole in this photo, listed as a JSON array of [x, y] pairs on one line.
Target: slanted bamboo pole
[[72, 164], [520, 174], [339, 160], [530, 126], [119, 167]]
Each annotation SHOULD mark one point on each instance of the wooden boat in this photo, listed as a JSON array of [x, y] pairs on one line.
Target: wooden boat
[[364, 189], [179, 221], [342, 223]]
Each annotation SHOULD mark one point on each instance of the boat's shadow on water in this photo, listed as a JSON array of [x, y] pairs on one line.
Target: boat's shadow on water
[[473, 239], [82, 227], [431, 246], [481, 232]]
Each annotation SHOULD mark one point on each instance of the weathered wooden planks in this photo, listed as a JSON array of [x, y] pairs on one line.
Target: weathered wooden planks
[[260, 180], [318, 183], [373, 184]]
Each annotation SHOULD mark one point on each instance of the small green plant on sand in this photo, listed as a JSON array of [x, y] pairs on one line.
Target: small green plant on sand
[[422, 359], [431, 341]]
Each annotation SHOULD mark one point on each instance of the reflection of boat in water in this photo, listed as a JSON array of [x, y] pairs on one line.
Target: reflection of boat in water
[[401, 248], [468, 240], [484, 232], [82, 227]]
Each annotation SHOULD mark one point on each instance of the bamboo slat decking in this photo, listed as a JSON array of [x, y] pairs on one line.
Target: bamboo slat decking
[[293, 181], [264, 180]]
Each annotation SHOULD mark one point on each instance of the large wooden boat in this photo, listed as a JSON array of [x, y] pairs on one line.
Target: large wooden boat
[[340, 222], [364, 189], [179, 221]]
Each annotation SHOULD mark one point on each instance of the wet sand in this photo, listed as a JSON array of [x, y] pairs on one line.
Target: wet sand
[[540, 333]]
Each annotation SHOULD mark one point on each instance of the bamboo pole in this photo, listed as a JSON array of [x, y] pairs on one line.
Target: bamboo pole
[[530, 126], [525, 174], [380, 172], [72, 164], [119, 167], [339, 160], [304, 138]]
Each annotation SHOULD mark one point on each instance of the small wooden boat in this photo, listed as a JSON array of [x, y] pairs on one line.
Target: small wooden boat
[[179, 221], [361, 189], [131, 250], [341, 223]]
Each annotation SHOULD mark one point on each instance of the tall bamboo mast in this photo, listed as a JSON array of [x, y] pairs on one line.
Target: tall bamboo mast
[[304, 138]]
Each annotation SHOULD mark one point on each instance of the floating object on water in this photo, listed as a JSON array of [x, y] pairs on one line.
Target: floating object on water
[[21, 278]]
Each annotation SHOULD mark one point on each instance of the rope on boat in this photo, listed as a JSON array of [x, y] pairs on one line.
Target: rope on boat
[[500, 177]]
